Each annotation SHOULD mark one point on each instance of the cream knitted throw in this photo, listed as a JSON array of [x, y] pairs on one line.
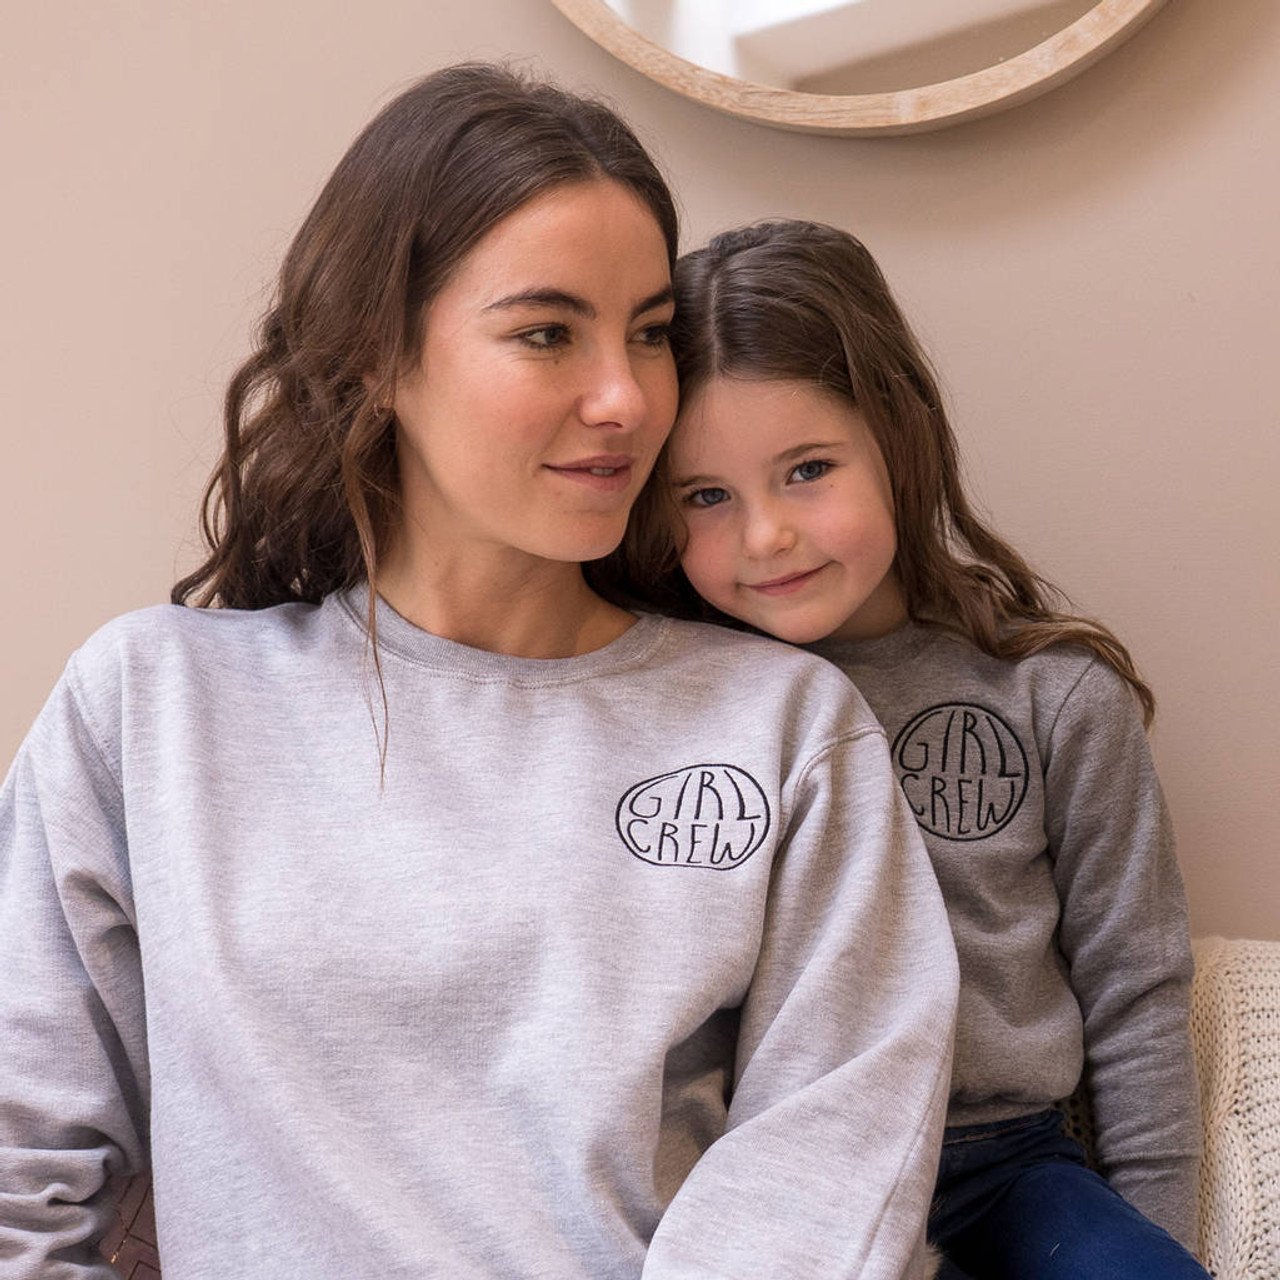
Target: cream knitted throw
[[1235, 1026]]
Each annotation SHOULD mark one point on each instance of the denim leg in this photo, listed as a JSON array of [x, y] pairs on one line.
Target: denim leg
[[949, 1271], [1016, 1202]]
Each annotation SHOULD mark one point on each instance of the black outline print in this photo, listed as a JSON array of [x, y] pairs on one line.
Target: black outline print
[[967, 784], [703, 815]]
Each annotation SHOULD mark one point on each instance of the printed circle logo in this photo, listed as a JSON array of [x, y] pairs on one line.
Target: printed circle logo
[[962, 769], [705, 815]]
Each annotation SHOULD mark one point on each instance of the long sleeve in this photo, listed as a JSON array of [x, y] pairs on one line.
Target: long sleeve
[[1125, 936], [72, 1036], [830, 1154]]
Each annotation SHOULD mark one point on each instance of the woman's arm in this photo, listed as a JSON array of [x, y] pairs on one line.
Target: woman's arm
[[1125, 937], [72, 1031], [828, 1164]]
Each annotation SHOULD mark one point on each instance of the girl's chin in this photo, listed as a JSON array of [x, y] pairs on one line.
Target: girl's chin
[[801, 635], [793, 630]]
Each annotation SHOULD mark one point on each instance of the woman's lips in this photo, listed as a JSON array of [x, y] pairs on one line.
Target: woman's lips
[[609, 473], [785, 585]]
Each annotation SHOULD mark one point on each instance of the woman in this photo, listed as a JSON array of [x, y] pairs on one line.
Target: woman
[[481, 931]]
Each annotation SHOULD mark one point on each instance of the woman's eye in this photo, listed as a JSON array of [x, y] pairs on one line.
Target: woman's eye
[[655, 335], [812, 469], [547, 337], [706, 497]]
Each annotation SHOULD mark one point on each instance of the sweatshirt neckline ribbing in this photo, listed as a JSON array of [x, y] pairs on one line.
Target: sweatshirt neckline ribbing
[[902, 645], [396, 634]]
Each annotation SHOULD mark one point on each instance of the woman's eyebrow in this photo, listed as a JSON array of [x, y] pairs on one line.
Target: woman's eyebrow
[[572, 302], [544, 298], [653, 301]]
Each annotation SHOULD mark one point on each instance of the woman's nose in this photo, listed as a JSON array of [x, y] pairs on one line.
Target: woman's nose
[[614, 396]]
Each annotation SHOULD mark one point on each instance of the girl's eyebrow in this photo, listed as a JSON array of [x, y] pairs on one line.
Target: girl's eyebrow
[[688, 480], [785, 456]]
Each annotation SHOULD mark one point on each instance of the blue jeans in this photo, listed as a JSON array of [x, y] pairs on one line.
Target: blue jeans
[[1015, 1201]]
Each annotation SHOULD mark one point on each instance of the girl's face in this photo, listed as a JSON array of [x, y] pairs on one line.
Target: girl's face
[[545, 386], [788, 510]]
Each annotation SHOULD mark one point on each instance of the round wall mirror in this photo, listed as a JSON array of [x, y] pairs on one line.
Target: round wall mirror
[[859, 66]]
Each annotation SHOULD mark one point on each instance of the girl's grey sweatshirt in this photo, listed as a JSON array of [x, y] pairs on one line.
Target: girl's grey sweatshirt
[[1033, 785], [634, 964]]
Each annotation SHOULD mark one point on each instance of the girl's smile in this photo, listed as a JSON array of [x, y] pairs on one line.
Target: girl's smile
[[787, 584]]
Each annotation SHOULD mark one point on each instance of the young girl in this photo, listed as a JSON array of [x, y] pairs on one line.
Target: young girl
[[417, 912], [812, 491]]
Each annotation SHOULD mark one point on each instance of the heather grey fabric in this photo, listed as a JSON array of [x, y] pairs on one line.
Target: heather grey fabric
[[635, 963], [1033, 784]]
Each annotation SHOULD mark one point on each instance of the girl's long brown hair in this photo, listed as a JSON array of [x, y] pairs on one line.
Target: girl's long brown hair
[[306, 492], [806, 302]]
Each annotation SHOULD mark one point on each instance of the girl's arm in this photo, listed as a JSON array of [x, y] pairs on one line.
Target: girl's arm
[[72, 1036], [1125, 936], [828, 1163]]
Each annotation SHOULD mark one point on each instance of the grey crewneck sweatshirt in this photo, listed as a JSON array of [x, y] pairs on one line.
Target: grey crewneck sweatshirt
[[635, 965], [1033, 785]]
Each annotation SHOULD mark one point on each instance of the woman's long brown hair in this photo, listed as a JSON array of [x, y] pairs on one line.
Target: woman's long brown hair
[[806, 302], [305, 494]]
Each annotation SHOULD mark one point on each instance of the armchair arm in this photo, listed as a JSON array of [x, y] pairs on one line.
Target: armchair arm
[[1235, 1028]]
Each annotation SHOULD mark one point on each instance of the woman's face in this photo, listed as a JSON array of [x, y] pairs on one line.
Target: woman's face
[[545, 386]]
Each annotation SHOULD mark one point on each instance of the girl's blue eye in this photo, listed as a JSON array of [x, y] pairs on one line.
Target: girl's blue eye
[[707, 497], [811, 469]]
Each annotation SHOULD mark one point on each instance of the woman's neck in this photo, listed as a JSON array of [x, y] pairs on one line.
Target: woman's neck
[[522, 606]]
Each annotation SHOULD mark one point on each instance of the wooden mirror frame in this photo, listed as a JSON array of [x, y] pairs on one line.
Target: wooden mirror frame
[[933, 106]]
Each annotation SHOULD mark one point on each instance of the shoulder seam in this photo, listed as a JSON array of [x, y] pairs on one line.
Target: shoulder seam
[[1066, 697], [853, 735], [95, 737]]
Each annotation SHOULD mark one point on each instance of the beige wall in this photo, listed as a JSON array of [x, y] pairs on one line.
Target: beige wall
[[1095, 272]]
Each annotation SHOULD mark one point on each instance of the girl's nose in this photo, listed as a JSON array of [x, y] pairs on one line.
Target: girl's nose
[[767, 532]]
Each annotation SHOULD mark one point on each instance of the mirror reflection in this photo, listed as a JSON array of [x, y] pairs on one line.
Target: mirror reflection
[[848, 46]]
